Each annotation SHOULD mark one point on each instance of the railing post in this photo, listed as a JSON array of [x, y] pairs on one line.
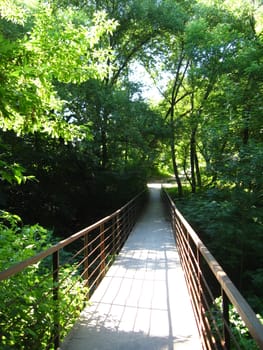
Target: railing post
[[114, 233], [56, 299], [199, 297], [126, 224], [130, 213], [133, 215], [126, 220], [102, 249], [174, 219], [86, 259], [226, 323], [117, 235]]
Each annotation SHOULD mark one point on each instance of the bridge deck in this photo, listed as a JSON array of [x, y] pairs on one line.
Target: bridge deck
[[142, 303]]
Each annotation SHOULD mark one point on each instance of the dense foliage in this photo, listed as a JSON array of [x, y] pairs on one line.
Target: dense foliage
[[231, 226], [27, 305], [78, 138], [238, 326], [213, 106]]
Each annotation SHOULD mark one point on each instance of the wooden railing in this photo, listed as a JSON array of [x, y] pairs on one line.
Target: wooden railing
[[88, 253], [212, 293]]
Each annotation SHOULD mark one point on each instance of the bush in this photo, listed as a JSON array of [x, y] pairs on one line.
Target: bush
[[28, 310], [229, 222], [237, 326]]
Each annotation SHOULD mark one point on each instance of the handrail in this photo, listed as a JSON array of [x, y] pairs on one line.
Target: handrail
[[96, 246], [194, 254], [33, 260]]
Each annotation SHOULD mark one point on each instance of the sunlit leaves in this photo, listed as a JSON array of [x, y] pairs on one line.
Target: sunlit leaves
[[13, 173], [66, 51], [27, 304], [60, 45], [13, 10]]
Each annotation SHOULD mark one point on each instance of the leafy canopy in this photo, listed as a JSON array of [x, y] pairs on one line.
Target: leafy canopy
[[54, 45]]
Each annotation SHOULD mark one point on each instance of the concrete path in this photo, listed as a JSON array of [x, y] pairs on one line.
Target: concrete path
[[142, 303]]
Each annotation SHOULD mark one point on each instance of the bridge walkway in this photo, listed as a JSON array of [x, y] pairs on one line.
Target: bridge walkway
[[142, 303]]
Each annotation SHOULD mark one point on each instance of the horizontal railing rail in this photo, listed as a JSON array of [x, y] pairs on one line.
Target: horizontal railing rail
[[76, 264], [213, 295]]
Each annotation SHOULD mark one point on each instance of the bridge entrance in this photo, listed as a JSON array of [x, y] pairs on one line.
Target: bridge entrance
[[143, 301]]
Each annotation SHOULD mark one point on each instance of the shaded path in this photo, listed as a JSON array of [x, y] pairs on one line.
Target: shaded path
[[142, 303]]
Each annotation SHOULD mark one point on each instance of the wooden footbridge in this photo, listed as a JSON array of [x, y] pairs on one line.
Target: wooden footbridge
[[144, 273]]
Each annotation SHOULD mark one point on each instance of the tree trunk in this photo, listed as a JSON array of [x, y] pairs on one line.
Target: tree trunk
[[174, 162], [185, 167], [192, 160], [104, 140], [196, 180], [197, 171], [246, 130], [175, 169], [175, 166], [104, 150]]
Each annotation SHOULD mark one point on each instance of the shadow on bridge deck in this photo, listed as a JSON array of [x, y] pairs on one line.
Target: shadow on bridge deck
[[142, 303]]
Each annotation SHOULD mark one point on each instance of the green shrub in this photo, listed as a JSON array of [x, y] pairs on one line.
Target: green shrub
[[237, 326], [28, 310]]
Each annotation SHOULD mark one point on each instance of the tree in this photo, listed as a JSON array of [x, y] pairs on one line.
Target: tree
[[225, 114], [134, 38], [196, 60], [30, 62]]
